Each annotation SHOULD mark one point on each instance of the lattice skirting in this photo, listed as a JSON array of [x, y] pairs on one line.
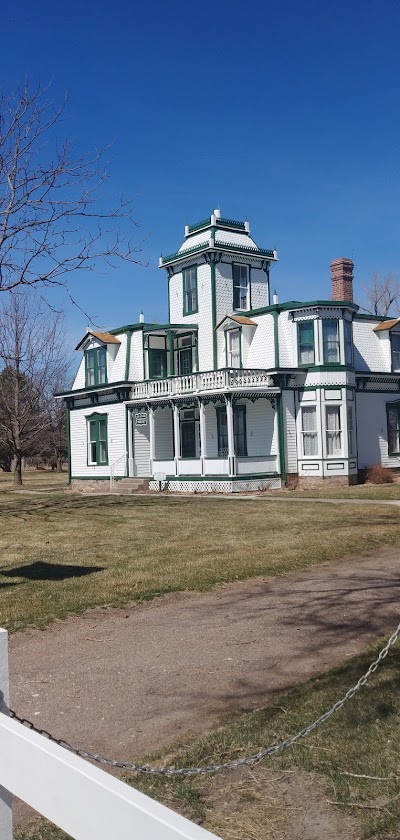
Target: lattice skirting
[[215, 486]]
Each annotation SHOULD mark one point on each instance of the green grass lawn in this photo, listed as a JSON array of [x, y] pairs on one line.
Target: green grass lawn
[[62, 553]]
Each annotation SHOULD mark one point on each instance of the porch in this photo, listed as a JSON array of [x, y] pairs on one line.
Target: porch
[[216, 437]]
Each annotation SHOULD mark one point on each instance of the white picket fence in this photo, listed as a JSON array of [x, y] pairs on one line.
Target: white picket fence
[[82, 800]]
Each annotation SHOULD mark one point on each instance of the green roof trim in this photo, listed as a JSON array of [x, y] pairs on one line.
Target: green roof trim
[[363, 316], [297, 304], [231, 223], [155, 327], [217, 246], [199, 225]]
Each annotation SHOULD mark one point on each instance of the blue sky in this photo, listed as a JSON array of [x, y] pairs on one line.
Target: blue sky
[[283, 112]]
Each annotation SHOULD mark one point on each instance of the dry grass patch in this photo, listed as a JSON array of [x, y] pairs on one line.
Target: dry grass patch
[[63, 553]]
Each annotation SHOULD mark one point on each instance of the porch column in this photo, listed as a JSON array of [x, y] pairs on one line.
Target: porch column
[[152, 439], [171, 335], [129, 422], [231, 438], [202, 436], [177, 439]]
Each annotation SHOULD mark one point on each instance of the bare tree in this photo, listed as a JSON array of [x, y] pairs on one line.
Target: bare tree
[[51, 219], [383, 295], [31, 362]]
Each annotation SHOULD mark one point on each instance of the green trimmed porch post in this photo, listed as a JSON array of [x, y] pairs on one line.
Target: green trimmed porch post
[[231, 437], [171, 335], [177, 440], [152, 439], [202, 436]]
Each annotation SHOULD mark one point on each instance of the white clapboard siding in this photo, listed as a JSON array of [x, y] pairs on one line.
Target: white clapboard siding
[[261, 353], [372, 435], [289, 423], [136, 370], [141, 446], [259, 288], [369, 350], [117, 355], [164, 447], [261, 428], [116, 440], [286, 331], [79, 381]]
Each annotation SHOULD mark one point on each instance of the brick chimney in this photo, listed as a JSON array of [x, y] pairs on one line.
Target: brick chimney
[[342, 279]]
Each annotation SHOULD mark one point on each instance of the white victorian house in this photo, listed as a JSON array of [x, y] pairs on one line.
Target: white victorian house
[[237, 391]]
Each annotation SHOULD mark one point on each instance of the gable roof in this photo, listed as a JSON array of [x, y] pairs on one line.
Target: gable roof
[[104, 337], [387, 325], [239, 319]]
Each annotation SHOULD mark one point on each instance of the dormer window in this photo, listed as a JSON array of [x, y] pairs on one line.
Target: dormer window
[[96, 366], [330, 338], [233, 349], [240, 275], [395, 344]]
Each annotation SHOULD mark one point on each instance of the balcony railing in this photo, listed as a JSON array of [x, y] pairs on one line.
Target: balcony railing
[[197, 383]]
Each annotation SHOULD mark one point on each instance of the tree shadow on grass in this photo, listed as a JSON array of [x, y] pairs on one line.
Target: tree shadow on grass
[[50, 571]]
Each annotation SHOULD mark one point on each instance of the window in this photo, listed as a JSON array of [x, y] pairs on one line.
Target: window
[[239, 431], [157, 363], [233, 339], [97, 439], [395, 344], [185, 360], [305, 334], [350, 430], [240, 286], [190, 290], [348, 343], [393, 418], [333, 430], [330, 336], [309, 430], [96, 366]]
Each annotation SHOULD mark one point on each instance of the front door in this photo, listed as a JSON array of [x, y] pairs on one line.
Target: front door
[[188, 438]]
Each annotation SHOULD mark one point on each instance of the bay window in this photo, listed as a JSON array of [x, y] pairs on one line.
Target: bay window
[[348, 343], [309, 430], [330, 340], [333, 430], [350, 430], [305, 336]]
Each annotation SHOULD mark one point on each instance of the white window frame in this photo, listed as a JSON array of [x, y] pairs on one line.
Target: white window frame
[[325, 360], [230, 355], [350, 430], [329, 433], [311, 433], [237, 284]]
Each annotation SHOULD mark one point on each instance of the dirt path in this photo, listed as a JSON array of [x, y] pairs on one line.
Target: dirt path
[[125, 682]]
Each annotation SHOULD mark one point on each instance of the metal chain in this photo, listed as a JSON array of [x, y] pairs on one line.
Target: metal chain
[[228, 765]]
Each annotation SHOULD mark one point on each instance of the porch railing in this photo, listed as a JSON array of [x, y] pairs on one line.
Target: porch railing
[[193, 383]]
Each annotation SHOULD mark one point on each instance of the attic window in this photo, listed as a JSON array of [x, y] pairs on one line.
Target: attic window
[[96, 366]]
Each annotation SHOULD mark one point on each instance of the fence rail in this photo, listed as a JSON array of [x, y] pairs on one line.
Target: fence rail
[[193, 383], [82, 800]]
